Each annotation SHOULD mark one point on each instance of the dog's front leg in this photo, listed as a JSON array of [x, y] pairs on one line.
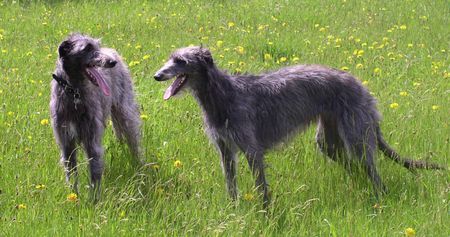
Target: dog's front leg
[[94, 151], [229, 164]]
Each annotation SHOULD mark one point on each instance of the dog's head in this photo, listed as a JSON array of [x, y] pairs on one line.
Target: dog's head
[[184, 64], [82, 54]]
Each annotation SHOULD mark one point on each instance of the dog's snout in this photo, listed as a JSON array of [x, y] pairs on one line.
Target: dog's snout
[[158, 77]]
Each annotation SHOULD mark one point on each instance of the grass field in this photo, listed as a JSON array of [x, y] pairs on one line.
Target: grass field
[[399, 49]]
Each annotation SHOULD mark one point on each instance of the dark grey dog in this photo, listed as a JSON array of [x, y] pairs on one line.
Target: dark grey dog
[[90, 84], [254, 113]]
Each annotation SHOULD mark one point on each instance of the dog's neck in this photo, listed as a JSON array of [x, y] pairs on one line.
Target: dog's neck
[[214, 92]]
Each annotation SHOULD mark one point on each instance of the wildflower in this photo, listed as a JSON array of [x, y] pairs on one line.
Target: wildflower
[[416, 84], [44, 122], [322, 29], [21, 206], [410, 45], [29, 53], [146, 57], [177, 164], [344, 68], [144, 117], [72, 197], [365, 83], [403, 93], [241, 64], [219, 43], [359, 66], [393, 105], [122, 214], [40, 186], [410, 232], [377, 70], [267, 57], [10, 113], [230, 24], [155, 166], [240, 49], [376, 206], [435, 107], [403, 27], [283, 59], [249, 197], [360, 53], [133, 63], [295, 59]]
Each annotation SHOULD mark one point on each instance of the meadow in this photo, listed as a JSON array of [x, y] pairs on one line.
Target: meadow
[[398, 49]]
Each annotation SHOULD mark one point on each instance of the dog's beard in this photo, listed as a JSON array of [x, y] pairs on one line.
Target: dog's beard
[[175, 87], [97, 79]]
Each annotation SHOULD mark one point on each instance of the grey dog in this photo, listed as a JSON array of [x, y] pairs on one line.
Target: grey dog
[[255, 112], [90, 84]]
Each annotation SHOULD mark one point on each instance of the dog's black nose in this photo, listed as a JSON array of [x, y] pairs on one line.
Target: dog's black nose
[[111, 63], [158, 77]]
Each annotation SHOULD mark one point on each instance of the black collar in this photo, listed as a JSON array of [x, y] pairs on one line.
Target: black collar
[[70, 90]]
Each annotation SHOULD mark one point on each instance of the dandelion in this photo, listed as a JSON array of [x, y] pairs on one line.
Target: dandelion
[[394, 105], [219, 43], [241, 64], [344, 68], [21, 206], [40, 186], [376, 206], [44, 122], [72, 197], [403, 93], [177, 164], [144, 117], [240, 49], [10, 113], [365, 83], [122, 214], [410, 45], [410, 232], [416, 84], [146, 57], [283, 59], [403, 27], [231, 24], [359, 66], [249, 197], [377, 71], [267, 57], [435, 107], [155, 166], [322, 29], [295, 59], [133, 63]]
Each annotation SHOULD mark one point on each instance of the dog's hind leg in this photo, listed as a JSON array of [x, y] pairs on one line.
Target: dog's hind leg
[[127, 124], [327, 138], [229, 164]]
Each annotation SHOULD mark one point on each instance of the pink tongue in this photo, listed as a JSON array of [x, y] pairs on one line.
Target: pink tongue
[[100, 80], [173, 89]]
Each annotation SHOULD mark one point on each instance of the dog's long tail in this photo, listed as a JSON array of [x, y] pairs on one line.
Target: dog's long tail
[[407, 163]]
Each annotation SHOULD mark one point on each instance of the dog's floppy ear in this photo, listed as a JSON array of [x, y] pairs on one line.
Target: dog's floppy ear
[[206, 55], [64, 48]]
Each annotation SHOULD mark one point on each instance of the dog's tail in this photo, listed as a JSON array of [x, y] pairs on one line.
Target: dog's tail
[[407, 163]]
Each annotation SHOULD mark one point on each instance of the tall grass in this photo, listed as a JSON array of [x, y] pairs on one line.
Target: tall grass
[[399, 49]]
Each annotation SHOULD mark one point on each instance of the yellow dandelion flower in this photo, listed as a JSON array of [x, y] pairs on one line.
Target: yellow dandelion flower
[[435, 107], [40, 186], [138, 46], [122, 214], [10, 113], [283, 59], [21, 206], [177, 164], [295, 59], [240, 49], [241, 64], [249, 197], [344, 68], [403, 93], [359, 66], [410, 232], [377, 70], [219, 43], [416, 84], [231, 24], [133, 63], [410, 45], [376, 206], [72, 197], [144, 117], [44, 122], [267, 57], [322, 29], [146, 57], [155, 167], [393, 105], [365, 83], [403, 27]]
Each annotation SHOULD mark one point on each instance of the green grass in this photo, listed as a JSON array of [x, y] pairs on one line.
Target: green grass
[[407, 40]]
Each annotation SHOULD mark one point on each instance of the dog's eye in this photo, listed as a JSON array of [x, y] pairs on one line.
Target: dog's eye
[[88, 47], [180, 61]]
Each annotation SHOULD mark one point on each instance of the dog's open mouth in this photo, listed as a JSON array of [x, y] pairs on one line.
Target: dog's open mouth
[[175, 87], [97, 79]]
